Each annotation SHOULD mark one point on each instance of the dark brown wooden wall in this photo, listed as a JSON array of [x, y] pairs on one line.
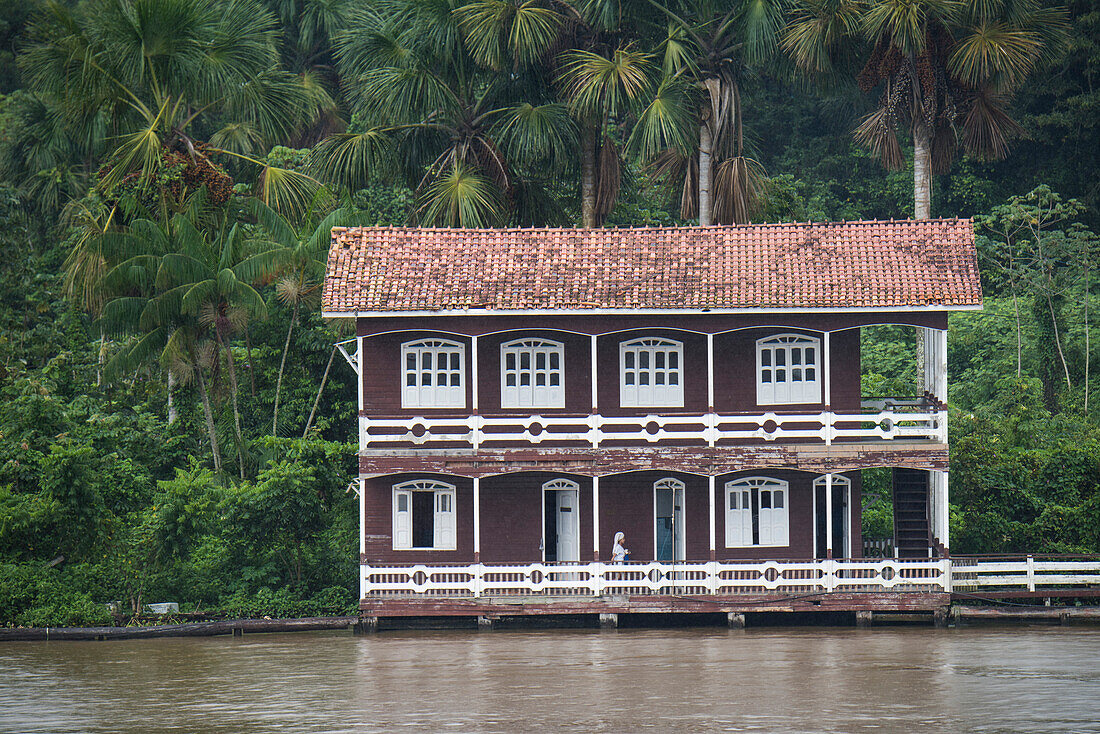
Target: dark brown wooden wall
[[511, 517], [734, 371], [378, 522]]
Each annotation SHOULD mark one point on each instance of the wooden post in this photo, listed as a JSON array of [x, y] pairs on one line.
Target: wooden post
[[477, 520], [595, 394], [829, 515], [473, 374], [362, 532], [710, 373], [710, 503], [826, 371], [595, 518]]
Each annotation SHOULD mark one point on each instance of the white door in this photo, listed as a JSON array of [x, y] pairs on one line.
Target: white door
[[444, 520], [569, 532], [402, 519]]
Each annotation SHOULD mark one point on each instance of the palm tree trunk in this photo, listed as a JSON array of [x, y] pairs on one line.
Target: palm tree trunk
[[251, 370], [706, 175], [233, 393], [173, 413], [209, 415], [922, 171], [282, 364], [588, 177], [317, 400]]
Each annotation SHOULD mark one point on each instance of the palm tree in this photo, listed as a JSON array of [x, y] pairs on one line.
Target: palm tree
[[161, 70], [600, 89], [459, 135], [583, 49], [947, 70], [297, 254], [137, 302], [176, 288], [714, 47]]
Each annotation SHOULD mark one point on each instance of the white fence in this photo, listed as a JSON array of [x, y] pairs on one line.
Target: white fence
[[977, 574], [709, 429], [728, 578], [699, 578]]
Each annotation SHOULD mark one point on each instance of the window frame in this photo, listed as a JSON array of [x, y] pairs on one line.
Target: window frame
[[651, 350], [753, 486], [535, 347], [442, 493], [845, 482], [454, 395], [679, 490], [809, 391]]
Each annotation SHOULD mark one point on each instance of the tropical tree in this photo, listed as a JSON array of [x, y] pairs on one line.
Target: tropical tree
[[946, 71], [166, 74], [459, 135], [715, 47], [179, 289], [141, 303], [583, 52], [297, 254]]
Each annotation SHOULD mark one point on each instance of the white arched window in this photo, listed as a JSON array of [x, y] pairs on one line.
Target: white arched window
[[433, 374], [423, 516], [532, 374], [788, 370], [651, 373], [756, 512]]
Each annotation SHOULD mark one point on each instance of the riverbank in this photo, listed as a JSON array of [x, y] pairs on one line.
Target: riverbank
[[958, 615], [234, 627]]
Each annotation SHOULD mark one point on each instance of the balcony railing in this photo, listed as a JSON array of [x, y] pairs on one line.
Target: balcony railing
[[686, 578], [731, 577], [885, 419]]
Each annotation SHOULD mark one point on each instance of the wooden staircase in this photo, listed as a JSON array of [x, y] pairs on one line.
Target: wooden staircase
[[911, 530]]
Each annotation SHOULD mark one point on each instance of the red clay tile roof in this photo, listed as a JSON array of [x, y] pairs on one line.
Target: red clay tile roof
[[813, 266]]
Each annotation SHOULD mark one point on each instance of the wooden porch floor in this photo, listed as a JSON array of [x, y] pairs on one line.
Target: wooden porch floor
[[541, 605]]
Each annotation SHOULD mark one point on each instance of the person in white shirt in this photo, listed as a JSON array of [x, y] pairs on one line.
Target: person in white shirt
[[619, 553]]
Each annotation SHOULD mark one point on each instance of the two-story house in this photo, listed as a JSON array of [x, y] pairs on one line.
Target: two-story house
[[526, 394]]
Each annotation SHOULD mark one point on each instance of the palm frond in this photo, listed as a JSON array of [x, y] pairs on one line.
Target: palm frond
[[738, 189], [599, 87], [538, 135], [350, 160], [667, 121], [987, 129], [461, 197], [879, 136], [500, 32]]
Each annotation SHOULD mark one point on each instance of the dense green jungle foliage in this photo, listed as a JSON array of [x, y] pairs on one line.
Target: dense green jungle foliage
[[174, 422]]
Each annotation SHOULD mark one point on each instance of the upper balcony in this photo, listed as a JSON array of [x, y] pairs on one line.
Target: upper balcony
[[880, 419]]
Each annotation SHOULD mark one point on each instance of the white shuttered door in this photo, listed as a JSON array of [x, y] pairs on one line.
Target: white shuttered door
[[445, 520], [402, 519]]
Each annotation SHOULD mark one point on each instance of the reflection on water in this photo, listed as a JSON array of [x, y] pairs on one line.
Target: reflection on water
[[755, 680]]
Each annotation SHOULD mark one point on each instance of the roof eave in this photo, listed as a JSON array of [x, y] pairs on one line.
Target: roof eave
[[650, 311]]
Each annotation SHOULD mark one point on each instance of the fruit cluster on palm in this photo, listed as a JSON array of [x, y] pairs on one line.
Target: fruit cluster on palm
[[945, 71]]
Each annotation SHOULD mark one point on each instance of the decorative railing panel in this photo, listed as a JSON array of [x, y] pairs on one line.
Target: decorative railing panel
[[702, 429], [688, 578]]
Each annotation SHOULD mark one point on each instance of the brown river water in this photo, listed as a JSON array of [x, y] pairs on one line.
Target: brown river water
[[755, 680]]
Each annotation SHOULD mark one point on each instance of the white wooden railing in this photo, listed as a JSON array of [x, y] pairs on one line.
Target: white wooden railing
[[685, 578], [888, 423], [728, 577], [977, 574]]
